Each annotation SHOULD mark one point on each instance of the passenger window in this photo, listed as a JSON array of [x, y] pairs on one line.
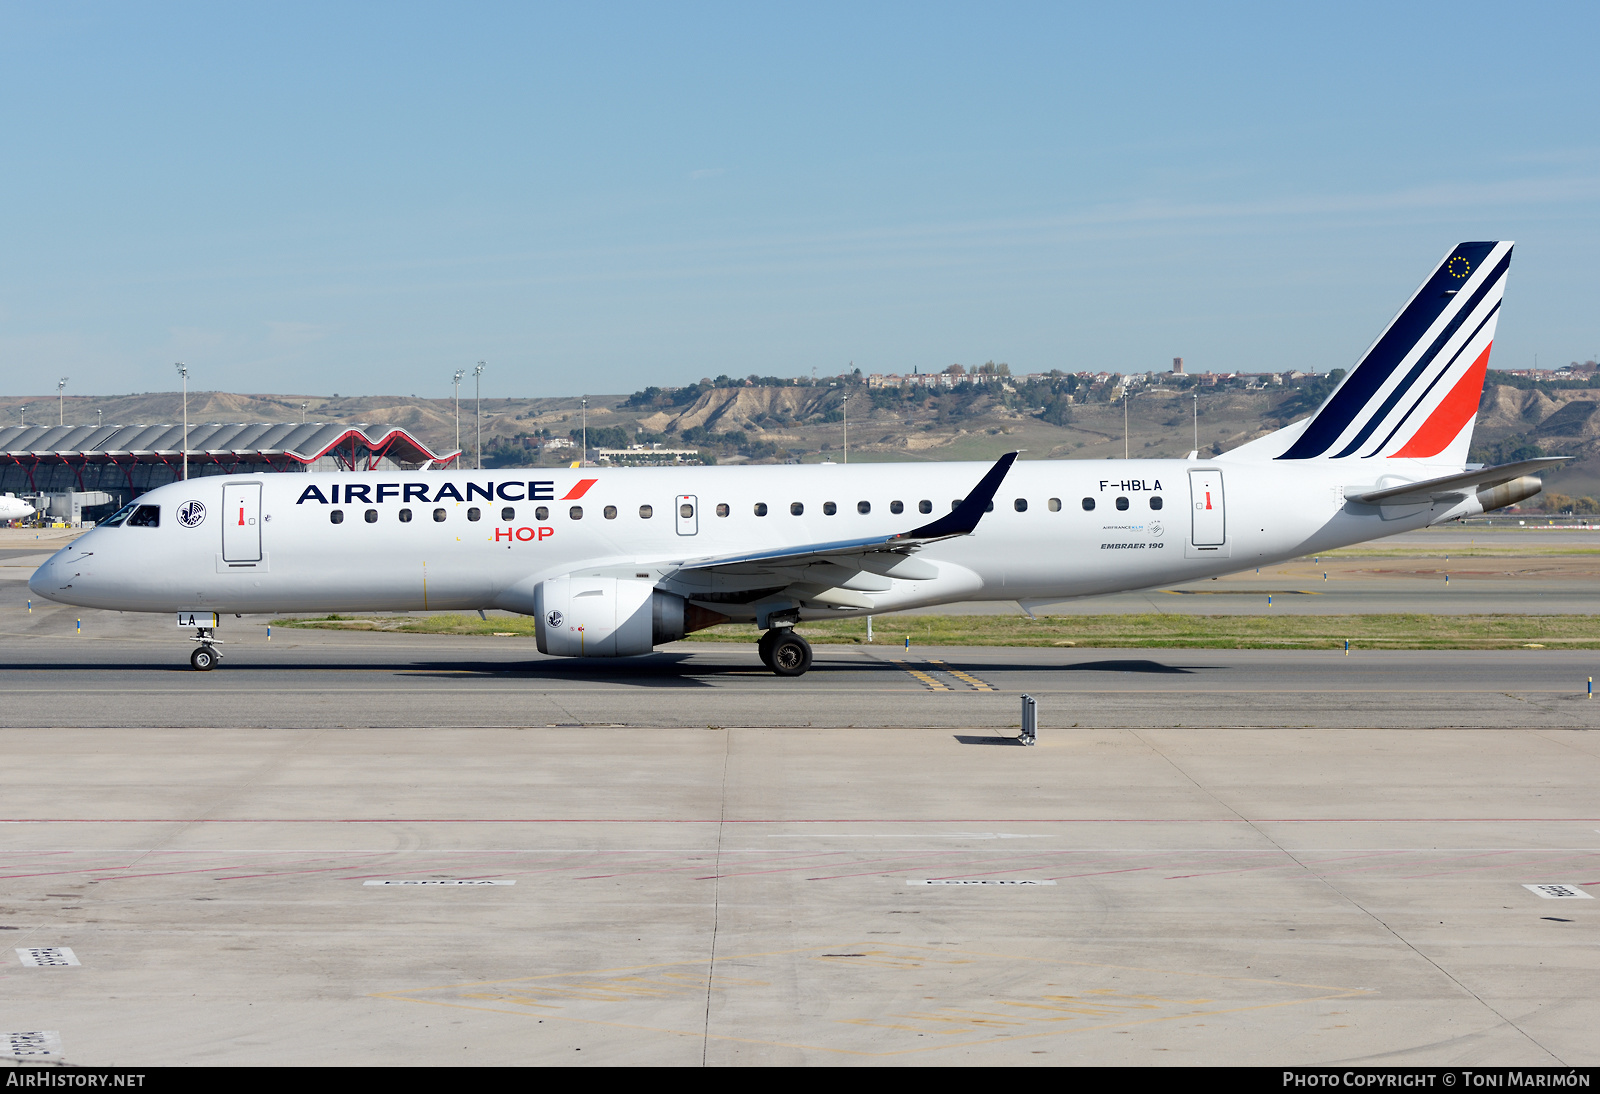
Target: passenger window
[[722, 508], [336, 516], [372, 516], [542, 513], [1122, 503], [646, 512], [1020, 505], [924, 506], [474, 513], [829, 509], [761, 508], [795, 509], [1155, 501], [610, 512], [576, 512], [438, 516], [1088, 505], [686, 510], [1054, 505], [146, 516], [508, 513], [897, 507], [955, 503], [405, 516], [863, 507]]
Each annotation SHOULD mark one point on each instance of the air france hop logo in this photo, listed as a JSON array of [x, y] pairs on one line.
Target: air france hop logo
[[191, 513], [554, 619]]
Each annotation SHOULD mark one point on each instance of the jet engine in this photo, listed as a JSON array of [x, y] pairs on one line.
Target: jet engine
[[581, 616]]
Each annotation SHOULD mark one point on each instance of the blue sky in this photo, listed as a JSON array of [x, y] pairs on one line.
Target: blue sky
[[363, 198]]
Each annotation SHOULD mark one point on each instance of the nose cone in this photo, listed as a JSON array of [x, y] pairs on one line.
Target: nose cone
[[43, 580], [53, 580]]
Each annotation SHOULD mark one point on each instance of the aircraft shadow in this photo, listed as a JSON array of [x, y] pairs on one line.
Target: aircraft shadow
[[1129, 664]]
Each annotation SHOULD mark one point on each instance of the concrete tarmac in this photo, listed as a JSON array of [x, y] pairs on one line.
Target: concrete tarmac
[[1211, 857]]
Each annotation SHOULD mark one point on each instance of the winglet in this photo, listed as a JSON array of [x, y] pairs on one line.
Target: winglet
[[964, 518]]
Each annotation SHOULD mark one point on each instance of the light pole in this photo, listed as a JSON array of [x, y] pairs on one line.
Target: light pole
[[583, 455], [847, 426], [1196, 425], [457, 381], [183, 370], [99, 418], [477, 405], [1124, 422], [24, 416], [302, 413], [61, 412]]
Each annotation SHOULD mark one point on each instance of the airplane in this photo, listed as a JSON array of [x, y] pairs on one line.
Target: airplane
[[15, 508], [614, 562]]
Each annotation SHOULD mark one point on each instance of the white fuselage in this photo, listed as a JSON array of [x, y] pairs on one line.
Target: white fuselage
[[14, 508], [266, 543]]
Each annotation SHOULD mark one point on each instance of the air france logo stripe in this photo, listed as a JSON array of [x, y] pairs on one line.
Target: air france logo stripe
[[1454, 412], [579, 490], [1369, 377], [1404, 418], [1427, 359]]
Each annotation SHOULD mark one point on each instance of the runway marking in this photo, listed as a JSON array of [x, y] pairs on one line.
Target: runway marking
[[978, 881], [920, 676], [1557, 892], [986, 998], [971, 681], [450, 881], [41, 957], [39, 1042]]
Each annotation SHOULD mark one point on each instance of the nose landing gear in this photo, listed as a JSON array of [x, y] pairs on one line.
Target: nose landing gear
[[784, 652], [205, 655]]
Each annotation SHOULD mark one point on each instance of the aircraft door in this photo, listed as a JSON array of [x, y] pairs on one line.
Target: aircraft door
[[241, 522], [687, 507], [1210, 523]]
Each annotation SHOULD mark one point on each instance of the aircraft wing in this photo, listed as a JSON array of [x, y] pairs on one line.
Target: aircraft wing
[[960, 521], [1454, 486]]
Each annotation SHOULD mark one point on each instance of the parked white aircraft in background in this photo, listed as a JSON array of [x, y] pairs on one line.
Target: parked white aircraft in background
[[15, 508], [613, 562]]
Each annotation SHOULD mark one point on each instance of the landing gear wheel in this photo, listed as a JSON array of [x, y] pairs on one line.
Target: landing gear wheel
[[204, 658], [791, 654], [764, 645]]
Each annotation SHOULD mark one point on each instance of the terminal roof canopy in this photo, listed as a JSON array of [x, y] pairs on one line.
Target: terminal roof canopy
[[358, 446]]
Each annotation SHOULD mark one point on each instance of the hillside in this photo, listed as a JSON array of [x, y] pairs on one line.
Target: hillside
[[776, 423]]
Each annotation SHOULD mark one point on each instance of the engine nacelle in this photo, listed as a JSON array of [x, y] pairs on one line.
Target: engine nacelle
[[582, 616]]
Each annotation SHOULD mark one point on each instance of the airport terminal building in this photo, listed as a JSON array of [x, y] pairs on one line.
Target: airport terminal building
[[89, 471]]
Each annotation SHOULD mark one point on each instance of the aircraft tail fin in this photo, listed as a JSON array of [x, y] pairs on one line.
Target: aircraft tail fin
[[1414, 394]]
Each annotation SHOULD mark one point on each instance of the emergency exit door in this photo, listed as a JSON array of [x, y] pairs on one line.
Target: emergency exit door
[[1210, 527], [688, 510], [241, 522]]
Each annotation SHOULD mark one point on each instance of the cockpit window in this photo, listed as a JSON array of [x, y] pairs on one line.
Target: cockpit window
[[146, 516], [120, 515]]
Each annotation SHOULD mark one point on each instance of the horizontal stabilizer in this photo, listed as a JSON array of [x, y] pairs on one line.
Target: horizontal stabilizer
[[963, 520], [1454, 486]]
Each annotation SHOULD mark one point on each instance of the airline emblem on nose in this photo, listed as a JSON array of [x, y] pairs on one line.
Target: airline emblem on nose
[[191, 513]]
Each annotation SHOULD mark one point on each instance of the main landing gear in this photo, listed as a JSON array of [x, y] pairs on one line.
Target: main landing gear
[[784, 652], [205, 655]]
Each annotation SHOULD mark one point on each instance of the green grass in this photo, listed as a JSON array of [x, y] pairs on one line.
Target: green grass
[[1377, 550], [1151, 631]]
